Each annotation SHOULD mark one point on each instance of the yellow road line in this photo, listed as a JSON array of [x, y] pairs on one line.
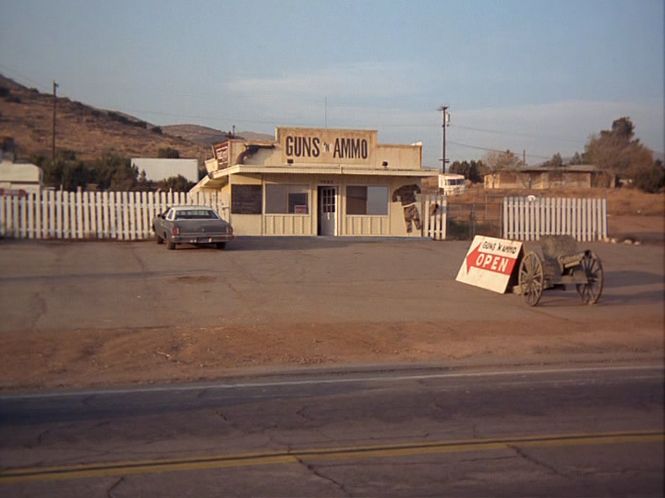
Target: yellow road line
[[18, 475]]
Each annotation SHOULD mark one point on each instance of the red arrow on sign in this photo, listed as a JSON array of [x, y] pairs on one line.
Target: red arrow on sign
[[472, 256], [489, 262]]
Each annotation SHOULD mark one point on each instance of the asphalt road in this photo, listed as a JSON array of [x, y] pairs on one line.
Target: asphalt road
[[594, 430]]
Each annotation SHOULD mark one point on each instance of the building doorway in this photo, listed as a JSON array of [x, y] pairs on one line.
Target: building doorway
[[327, 200]]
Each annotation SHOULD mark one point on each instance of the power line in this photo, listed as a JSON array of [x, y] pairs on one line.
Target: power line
[[515, 133], [478, 147]]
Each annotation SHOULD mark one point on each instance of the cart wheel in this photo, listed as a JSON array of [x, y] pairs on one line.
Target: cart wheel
[[593, 269], [531, 278]]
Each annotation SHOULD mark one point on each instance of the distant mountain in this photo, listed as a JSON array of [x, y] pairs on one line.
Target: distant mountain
[[201, 135], [26, 118], [252, 135], [204, 135]]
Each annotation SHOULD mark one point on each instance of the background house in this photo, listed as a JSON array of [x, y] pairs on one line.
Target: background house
[[579, 176], [20, 178]]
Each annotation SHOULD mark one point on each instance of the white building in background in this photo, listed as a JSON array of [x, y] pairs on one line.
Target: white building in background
[[20, 178], [157, 169], [452, 184]]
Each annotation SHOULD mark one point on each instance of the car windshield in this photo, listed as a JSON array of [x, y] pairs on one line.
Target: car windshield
[[196, 214]]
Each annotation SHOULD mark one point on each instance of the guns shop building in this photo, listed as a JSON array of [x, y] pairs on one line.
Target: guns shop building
[[318, 181]]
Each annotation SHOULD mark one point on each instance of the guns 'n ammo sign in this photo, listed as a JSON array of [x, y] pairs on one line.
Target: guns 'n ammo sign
[[489, 263]]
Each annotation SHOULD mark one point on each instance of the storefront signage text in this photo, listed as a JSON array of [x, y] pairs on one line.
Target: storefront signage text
[[343, 148], [319, 146]]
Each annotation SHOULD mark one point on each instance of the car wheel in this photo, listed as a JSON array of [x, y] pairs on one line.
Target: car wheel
[[220, 245]]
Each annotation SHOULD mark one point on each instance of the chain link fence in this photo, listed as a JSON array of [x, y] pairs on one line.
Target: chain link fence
[[479, 215]]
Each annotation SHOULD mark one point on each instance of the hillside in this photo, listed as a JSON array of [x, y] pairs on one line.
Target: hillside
[[26, 116], [206, 136]]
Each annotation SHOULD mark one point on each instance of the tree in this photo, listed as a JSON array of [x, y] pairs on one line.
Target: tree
[[498, 161], [555, 162], [168, 153], [472, 170], [176, 183], [114, 172], [66, 172], [617, 152], [578, 159], [650, 178], [459, 168], [143, 184]]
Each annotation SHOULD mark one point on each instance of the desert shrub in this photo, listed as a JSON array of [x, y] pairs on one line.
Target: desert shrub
[[176, 183], [651, 178], [157, 130], [116, 116], [4, 92]]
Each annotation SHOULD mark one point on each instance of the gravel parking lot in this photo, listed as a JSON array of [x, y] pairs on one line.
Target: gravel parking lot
[[91, 313]]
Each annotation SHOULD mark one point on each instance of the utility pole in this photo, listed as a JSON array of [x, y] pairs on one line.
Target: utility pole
[[55, 86], [524, 158], [445, 122]]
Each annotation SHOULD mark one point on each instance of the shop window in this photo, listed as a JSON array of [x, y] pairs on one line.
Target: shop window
[[287, 199], [246, 199], [370, 200]]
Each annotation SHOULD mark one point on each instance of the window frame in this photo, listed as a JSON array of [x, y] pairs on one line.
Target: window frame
[[260, 203], [367, 198], [284, 199]]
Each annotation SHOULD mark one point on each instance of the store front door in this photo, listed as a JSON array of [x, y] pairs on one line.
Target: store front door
[[327, 210]]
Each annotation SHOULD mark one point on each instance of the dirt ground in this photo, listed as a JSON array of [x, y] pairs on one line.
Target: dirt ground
[[80, 358], [102, 314]]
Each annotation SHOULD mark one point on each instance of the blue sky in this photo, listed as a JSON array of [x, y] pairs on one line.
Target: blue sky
[[529, 74]]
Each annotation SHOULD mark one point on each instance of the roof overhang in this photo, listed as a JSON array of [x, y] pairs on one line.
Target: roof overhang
[[208, 182], [318, 170]]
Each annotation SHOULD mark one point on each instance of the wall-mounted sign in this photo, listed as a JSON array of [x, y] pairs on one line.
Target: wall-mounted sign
[[489, 263], [326, 146], [221, 153]]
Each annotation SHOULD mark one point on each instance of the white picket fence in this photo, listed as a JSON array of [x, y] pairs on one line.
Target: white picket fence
[[434, 210], [530, 219], [92, 215]]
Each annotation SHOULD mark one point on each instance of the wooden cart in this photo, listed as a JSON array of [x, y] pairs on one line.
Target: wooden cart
[[561, 264]]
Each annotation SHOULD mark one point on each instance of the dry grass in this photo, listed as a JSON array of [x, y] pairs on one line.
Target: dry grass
[[620, 201], [27, 118]]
